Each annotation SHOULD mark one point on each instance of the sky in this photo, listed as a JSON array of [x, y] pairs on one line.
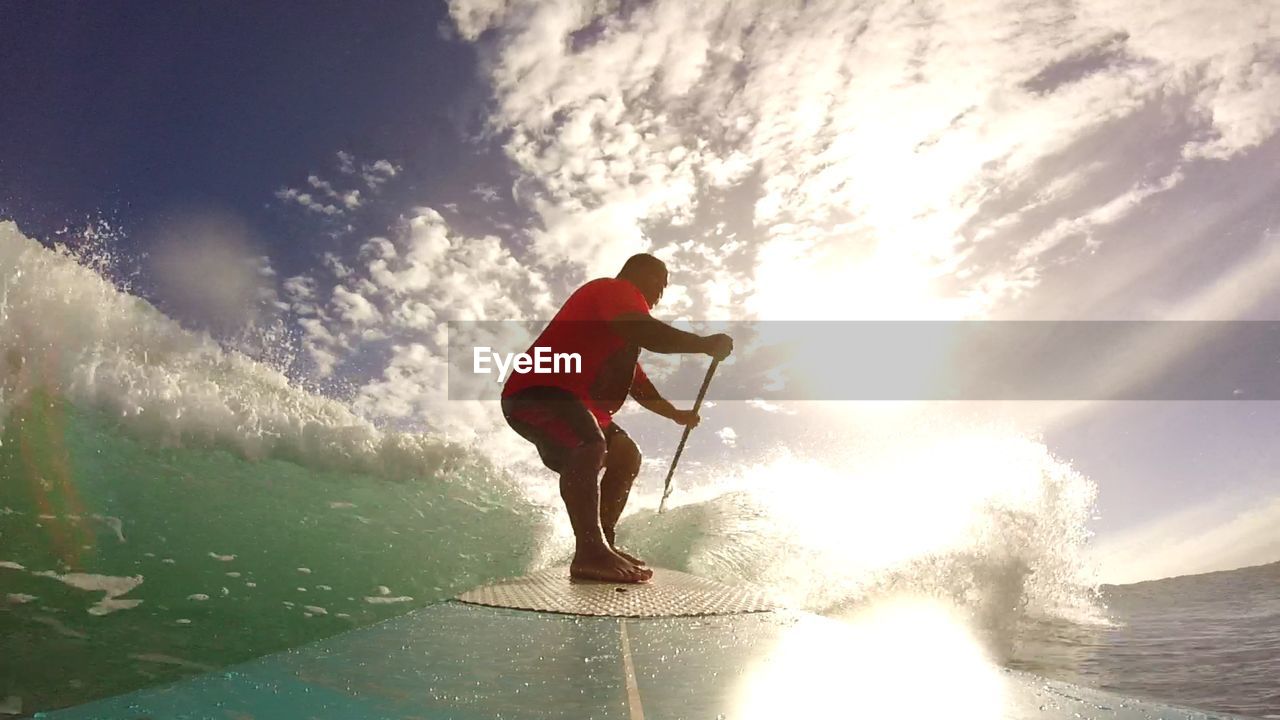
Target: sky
[[359, 174]]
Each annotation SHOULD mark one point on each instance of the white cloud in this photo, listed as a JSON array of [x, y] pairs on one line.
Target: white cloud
[[323, 347], [300, 288], [385, 168], [873, 149], [308, 201], [322, 185], [346, 162], [769, 407], [377, 173], [411, 385], [486, 192], [1082, 225], [1229, 60], [350, 199], [332, 200], [353, 308], [400, 291], [327, 199], [335, 265], [475, 16], [728, 436]]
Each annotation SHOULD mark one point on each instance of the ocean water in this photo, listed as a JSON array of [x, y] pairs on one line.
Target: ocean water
[[168, 507], [1208, 641]]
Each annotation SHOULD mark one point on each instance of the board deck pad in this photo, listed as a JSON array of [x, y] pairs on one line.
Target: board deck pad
[[670, 593]]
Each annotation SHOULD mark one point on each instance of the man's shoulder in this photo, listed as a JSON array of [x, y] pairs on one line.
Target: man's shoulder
[[601, 283], [612, 287], [605, 287], [603, 299]]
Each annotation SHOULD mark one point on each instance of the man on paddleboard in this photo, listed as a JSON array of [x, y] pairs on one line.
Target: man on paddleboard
[[568, 416]]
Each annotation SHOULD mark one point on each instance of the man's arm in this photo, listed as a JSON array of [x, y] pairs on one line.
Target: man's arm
[[657, 336], [647, 395]]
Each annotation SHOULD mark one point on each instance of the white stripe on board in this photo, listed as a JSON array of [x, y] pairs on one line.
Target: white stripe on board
[[629, 672]]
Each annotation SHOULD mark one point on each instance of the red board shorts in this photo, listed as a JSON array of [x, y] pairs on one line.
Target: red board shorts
[[556, 421]]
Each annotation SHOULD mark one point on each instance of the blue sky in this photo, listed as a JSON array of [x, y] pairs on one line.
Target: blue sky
[[132, 111], [360, 173]]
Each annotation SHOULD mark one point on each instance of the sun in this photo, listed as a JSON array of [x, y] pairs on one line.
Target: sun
[[801, 280]]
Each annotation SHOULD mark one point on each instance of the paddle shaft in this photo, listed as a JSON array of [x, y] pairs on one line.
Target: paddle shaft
[[702, 393]]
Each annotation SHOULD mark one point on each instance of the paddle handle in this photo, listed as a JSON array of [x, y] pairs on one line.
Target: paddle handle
[[702, 393]]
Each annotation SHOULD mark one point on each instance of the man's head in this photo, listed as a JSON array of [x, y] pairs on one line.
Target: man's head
[[647, 273]]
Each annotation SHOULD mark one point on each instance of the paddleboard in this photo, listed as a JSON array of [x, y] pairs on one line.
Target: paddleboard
[[542, 646]]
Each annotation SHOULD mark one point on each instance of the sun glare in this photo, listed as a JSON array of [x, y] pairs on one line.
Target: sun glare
[[794, 281], [903, 658]]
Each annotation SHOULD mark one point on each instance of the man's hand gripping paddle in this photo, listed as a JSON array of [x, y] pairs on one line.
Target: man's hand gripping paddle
[[666, 490]]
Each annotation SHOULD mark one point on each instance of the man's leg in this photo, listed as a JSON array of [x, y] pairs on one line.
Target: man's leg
[[579, 487], [572, 444], [622, 464]]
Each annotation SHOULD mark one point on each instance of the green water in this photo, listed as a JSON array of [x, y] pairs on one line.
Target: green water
[[285, 554]]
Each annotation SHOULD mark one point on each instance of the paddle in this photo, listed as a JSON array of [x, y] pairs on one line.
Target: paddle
[[666, 489]]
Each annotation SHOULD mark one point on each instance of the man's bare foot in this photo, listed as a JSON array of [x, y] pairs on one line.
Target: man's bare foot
[[606, 565], [629, 557]]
